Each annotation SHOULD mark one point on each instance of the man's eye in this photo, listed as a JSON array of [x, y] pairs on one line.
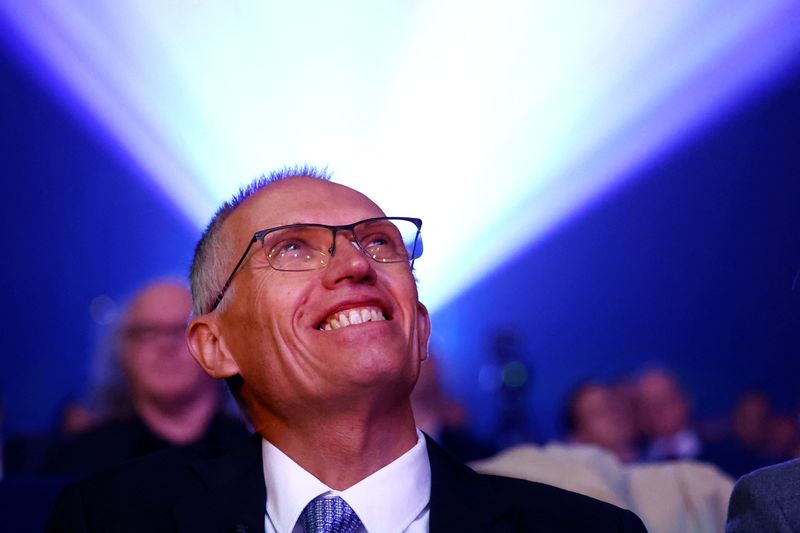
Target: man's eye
[[376, 240], [291, 247]]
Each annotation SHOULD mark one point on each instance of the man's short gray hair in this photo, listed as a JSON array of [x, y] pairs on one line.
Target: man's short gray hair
[[214, 249]]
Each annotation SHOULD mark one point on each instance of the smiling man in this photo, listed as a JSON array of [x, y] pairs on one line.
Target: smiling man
[[305, 301]]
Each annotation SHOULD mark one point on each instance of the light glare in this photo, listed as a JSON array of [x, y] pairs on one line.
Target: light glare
[[492, 123]]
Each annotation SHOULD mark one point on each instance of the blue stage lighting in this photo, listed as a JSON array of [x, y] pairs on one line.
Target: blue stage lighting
[[492, 122]]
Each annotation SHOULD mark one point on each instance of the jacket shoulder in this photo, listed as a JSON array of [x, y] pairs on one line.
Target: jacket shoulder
[[766, 499], [773, 478]]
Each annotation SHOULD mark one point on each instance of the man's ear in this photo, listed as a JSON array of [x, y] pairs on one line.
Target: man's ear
[[423, 330], [209, 348]]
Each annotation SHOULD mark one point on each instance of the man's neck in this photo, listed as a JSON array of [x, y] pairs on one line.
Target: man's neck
[[343, 450], [180, 422]]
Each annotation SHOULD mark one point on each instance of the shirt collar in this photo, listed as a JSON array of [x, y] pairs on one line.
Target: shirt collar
[[387, 500]]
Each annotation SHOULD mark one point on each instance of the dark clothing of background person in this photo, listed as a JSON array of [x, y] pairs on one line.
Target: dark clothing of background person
[[118, 441], [733, 457], [29, 454]]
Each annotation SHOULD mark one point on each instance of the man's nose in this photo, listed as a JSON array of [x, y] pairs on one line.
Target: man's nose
[[348, 261]]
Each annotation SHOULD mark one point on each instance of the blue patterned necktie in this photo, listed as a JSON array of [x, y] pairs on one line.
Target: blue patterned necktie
[[329, 515]]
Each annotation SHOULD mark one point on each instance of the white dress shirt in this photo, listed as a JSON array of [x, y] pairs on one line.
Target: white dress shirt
[[395, 499]]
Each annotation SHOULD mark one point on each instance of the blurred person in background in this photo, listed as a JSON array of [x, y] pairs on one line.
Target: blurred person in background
[[156, 395], [663, 416], [751, 418], [743, 450], [783, 440], [599, 460], [76, 418], [596, 414]]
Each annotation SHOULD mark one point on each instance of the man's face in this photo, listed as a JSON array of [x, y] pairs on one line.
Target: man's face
[[273, 326], [154, 354]]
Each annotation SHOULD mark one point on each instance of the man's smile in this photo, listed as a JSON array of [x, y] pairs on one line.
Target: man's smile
[[350, 317]]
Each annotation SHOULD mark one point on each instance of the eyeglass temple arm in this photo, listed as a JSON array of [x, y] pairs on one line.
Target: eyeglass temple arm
[[228, 282]]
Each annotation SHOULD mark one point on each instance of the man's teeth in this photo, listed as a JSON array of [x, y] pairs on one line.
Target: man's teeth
[[352, 316]]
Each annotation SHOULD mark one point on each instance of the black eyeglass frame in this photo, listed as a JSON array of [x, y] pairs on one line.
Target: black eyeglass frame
[[259, 236]]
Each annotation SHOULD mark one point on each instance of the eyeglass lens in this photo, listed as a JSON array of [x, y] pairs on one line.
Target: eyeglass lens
[[307, 247]]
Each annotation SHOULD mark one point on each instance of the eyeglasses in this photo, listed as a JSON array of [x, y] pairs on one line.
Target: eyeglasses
[[301, 247]]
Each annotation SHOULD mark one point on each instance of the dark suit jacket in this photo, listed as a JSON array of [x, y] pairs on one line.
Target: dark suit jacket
[[767, 500], [189, 491]]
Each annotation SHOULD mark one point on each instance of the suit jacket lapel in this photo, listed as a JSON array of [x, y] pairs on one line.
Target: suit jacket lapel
[[459, 501], [234, 497]]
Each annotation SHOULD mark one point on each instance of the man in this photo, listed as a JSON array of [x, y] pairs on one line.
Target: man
[[318, 330], [766, 500], [744, 450], [158, 397]]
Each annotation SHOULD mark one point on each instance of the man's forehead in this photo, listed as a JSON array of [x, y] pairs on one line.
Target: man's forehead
[[302, 199]]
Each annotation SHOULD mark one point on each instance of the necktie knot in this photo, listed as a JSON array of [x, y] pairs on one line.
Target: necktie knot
[[329, 515]]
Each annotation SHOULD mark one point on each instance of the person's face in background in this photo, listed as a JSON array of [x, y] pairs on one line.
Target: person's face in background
[[782, 436], [273, 325], [662, 409], [602, 419], [154, 354]]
